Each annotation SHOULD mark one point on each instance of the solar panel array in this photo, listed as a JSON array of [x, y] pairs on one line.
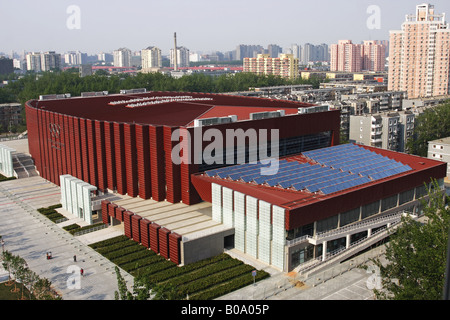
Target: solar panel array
[[337, 168]]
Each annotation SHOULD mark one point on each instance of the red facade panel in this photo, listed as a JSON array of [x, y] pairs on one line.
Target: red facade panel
[[100, 155], [127, 224], [84, 150], [154, 236], [77, 134], [157, 163], [110, 156], [120, 168], [92, 152], [135, 227], [67, 145], [173, 192], [174, 247], [105, 215], [144, 227], [164, 242], [130, 159], [119, 213], [57, 146], [143, 161]]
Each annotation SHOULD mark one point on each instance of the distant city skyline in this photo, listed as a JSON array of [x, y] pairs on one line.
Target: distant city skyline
[[201, 25]]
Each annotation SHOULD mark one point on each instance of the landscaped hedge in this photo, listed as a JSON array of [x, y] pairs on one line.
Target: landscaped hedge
[[51, 213], [108, 242], [205, 279], [230, 286]]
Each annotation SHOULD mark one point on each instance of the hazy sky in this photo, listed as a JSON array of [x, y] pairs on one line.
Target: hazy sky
[[201, 25]]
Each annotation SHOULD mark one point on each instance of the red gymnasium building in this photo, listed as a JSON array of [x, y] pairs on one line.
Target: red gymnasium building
[[325, 197], [108, 143]]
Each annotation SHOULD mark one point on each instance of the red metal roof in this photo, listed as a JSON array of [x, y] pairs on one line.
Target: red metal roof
[[180, 113]]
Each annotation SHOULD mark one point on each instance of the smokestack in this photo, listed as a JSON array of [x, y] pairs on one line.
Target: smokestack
[[175, 54]]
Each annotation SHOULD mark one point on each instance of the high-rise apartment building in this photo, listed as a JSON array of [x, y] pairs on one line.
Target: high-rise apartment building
[[50, 60], [419, 54], [34, 61], [41, 62], [285, 66], [75, 58], [122, 57], [248, 51], [151, 58], [373, 56], [346, 56], [182, 57], [390, 130], [274, 50], [6, 65], [351, 57]]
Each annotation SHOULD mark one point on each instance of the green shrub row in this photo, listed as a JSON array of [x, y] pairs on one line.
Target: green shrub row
[[232, 285], [108, 242], [71, 227], [51, 213], [154, 268], [205, 279], [125, 251], [207, 271], [138, 255], [3, 178], [175, 272], [203, 283], [141, 263], [117, 247]]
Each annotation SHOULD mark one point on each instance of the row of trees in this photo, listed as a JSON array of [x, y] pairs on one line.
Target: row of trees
[[416, 254], [38, 288], [432, 124], [32, 85], [143, 290]]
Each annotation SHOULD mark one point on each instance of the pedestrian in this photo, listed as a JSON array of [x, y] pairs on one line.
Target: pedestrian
[[74, 258], [82, 272]]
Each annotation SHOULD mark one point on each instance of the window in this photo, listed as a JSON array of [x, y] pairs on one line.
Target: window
[[327, 224], [370, 209], [406, 196], [349, 217], [388, 203]]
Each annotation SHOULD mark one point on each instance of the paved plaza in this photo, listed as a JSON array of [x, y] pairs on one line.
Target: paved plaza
[[30, 235]]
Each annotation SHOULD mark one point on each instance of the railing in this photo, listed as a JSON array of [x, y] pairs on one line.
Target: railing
[[308, 266], [79, 233], [346, 229]]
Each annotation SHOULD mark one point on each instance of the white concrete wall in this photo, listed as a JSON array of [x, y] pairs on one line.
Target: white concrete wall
[[259, 229], [6, 161], [76, 197]]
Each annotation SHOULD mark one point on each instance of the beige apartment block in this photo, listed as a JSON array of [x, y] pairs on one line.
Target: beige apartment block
[[419, 54], [285, 66]]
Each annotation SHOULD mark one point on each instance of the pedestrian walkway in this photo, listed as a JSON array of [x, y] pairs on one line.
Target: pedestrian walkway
[[30, 235], [342, 281]]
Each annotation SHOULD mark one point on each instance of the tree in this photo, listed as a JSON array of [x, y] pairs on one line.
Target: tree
[[141, 288], [432, 124], [7, 258], [416, 254]]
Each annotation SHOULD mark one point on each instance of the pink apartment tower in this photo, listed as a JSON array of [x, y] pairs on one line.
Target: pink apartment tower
[[350, 57], [419, 54]]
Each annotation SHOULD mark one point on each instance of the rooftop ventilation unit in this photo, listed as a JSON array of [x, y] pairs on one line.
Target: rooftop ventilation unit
[[266, 115], [54, 96], [213, 121], [314, 109], [94, 94], [142, 90]]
